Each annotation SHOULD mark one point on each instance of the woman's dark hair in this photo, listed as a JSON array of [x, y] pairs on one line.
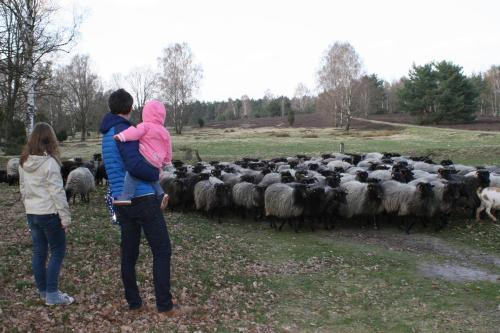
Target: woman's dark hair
[[41, 141], [120, 102]]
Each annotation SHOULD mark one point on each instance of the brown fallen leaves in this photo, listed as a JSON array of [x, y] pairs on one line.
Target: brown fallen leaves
[[208, 273]]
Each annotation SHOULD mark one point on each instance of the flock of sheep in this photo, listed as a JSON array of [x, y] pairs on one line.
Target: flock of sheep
[[302, 190], [310, 190]]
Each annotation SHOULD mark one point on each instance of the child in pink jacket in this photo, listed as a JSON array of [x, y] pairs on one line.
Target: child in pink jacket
[[155, 146]]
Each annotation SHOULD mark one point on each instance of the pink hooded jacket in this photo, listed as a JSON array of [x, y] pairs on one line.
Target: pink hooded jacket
[[154, 140]]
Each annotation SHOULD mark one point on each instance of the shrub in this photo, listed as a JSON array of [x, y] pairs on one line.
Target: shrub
[[201, 122], [13, 149], [62, 135], [291, 117]]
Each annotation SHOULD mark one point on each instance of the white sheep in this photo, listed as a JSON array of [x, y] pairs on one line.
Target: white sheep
[[13, 171], [490, 199], [80, 181]]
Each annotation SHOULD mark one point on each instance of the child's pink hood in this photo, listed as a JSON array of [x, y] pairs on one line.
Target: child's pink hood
[[154, 112]]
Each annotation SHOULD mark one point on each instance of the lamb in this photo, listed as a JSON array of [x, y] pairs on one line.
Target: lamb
[[212, 196], [80, 181], [286, 202], [490, 199], [101, 175], [13, 171]]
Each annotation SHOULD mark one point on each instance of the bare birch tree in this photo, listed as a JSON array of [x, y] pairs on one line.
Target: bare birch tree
[[39, 39], [340, 69], [301, 97], [80, 87], [179, 80], [492, 76]]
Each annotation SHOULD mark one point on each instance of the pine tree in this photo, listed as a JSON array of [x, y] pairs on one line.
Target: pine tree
[[439, 92]]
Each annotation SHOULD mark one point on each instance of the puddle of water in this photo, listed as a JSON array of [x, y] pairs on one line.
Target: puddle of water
[[457, 273]]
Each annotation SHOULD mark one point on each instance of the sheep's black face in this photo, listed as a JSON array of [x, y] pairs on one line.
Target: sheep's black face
[[293, 164], [198, 168], [387, 160], [373, 167], [401, 164], [452, 191], [362, 176], [408, 174], [347, 159], [340, 196], [300, 193], [333, 181], [444, 173], [216, 173], [229, 169], [247, 178], [222, 194], [69, 194], [339, 169], [355, 158], [398, 176], [326, 172], [374, 191], [325, 156], [315, 195], [204, 176], [177, 163], [425, 190], [265, 171], [484, 178], [382, 167], [446, 162], [259, 192], [313, 166]]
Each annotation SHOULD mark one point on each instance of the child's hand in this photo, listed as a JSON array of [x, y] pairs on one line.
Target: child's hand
[[116, 137]]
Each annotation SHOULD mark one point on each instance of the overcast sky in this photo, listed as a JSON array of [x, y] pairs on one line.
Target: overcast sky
[[247, 47]]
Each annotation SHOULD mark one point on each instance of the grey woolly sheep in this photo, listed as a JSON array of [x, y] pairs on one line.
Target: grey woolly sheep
[[80, 181], [363, 199], [13, 171], [249, 197], [212, 196], [285, 201], [407, 200]]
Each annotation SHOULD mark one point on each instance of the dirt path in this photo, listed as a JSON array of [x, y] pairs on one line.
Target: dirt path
[[379, 122], [460, 263]]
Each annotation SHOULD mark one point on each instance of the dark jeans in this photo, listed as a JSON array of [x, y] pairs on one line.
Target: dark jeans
[[47, 231], [145, 213]]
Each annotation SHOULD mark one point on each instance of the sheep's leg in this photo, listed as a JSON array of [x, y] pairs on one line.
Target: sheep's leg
[[376, 225], [282, 223], [410, 222], [219, 215], [296, 223], [488, 211], [443, 218], [478, 212]]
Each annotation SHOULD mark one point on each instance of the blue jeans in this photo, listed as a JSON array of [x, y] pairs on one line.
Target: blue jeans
[[47, 231], [145, 213], [130, 184]]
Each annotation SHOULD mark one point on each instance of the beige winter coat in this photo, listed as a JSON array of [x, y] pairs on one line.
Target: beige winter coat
[[42, 189]]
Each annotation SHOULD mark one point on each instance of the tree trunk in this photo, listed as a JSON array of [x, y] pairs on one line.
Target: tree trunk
[[30, 101]]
